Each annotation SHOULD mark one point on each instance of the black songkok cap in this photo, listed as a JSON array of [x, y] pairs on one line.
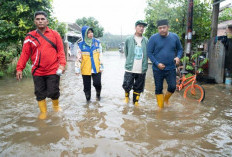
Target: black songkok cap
[[162, 22]]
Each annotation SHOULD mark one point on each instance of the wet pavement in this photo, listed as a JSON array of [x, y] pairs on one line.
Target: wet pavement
[[110, 127]]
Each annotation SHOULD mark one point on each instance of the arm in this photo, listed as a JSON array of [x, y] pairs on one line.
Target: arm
[[126, 48], [150, 50], [179, 51], [179, 48], [26, 52]]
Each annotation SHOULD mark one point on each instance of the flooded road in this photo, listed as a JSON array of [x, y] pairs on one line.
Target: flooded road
[[111, 128]]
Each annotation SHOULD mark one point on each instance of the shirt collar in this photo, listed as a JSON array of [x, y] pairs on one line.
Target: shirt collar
[[47, 30]]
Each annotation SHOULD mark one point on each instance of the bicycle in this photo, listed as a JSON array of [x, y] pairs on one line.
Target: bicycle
[[193, 90]]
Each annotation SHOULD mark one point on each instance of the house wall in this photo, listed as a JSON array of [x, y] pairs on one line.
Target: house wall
[[216, 60]]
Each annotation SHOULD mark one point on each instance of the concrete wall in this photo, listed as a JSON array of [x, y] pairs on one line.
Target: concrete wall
[[216, 61]]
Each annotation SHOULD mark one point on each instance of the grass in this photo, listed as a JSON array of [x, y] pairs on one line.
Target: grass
[[11, 68]]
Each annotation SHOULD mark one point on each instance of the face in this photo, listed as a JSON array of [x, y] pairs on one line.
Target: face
[[90, 34], [139, 29], [163, 30], [41, 21]]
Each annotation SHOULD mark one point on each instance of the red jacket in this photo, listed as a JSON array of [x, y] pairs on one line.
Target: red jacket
[[45, 58]]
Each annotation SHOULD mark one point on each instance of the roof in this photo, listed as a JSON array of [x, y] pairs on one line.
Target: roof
[[222, 27], [73, 30], [224, 24]]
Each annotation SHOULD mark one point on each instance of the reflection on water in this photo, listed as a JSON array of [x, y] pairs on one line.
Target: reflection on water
[[110, 127]]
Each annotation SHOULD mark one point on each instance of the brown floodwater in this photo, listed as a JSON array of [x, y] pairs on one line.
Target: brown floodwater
[[110, 127]]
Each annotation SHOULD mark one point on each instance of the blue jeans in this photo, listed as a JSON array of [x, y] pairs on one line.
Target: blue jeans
[[160, 75]]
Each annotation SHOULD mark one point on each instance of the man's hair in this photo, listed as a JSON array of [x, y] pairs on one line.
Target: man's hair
[[40, 13]]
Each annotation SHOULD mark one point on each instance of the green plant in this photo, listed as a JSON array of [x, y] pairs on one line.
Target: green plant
[[193, 63], [61, 28], [1, 73], [27, 70], [11, 70], [225, 15], [17, 18], [5, 59]]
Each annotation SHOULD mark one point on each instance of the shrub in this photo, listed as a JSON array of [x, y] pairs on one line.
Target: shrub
[[8, 62], [11, 70]]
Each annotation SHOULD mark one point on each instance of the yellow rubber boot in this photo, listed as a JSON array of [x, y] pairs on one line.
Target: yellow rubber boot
[[136, 98], [55, 105], [126, 97], [167, 96], [160, 100], [43, 109]]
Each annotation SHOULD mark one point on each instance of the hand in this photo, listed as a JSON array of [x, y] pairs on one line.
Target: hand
[[19, 75], [101, 68], [177, 60], [62, 68], [161, 66], [77, 71]]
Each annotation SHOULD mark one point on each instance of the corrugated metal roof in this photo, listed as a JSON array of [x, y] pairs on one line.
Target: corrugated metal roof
[[224, 24], [73, 30]]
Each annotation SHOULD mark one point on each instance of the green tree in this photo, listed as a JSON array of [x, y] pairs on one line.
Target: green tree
[[91, 22], [112, 41], [176, 12], [225, 15], [61, 28], [17, 19]]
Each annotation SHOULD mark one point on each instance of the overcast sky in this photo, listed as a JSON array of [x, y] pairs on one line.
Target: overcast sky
[[116, 16]]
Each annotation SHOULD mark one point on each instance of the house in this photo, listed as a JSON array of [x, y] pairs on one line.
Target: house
[[220, 52], [71, 39], [223, 28]]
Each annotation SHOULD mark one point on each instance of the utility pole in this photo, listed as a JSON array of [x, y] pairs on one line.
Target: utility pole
[[214, 26], [189, 29]]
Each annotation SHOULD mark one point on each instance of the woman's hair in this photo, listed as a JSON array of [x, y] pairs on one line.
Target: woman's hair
[[90, 28]]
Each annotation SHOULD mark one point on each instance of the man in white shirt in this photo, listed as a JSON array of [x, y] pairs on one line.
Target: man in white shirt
[[136, 63]]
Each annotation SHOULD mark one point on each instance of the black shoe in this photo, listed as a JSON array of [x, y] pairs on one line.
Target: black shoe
[[88, 96], [98, 96]]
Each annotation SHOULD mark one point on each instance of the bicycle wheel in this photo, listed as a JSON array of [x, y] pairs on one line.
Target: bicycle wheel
[[196, 93]]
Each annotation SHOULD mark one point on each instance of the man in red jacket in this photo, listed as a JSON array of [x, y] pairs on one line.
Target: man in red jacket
[[44, 47]]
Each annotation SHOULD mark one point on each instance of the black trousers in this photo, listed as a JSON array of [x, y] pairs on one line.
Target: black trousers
[[135, 81], [96, 83], [47, 86]]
